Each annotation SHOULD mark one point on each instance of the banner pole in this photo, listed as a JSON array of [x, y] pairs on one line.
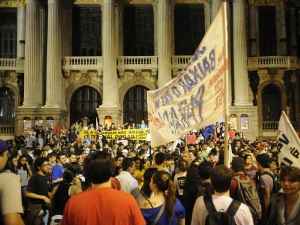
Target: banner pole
[[226, 100]]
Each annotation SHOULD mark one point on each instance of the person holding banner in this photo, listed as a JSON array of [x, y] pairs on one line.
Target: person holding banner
[[285, 207]]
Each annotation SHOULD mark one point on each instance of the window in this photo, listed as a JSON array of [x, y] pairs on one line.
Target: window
[[189, 27], [87, 31], [135, 105], [138, 30], [8, 33], [84, 103], [7, 106]]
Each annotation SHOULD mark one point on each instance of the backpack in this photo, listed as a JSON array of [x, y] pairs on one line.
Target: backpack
[[276, 181], [247, 193], [220, 218]]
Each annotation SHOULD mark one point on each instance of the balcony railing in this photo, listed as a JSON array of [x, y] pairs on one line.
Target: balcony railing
[[179, 62], [270, 125], [286, 62], [7, 130], [83, 63], [8, 63], [137, 63]]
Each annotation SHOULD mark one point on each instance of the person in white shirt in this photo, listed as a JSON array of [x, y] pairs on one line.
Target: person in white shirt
[[127, 181], [221, 179]]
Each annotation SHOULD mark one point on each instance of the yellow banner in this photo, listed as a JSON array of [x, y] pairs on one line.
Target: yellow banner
[[130, 134]]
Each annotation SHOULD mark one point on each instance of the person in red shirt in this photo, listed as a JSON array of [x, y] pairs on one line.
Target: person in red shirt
[[101, 204]]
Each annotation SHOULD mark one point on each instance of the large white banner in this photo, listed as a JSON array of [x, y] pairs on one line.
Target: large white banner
[[196, 97], [288, 143]]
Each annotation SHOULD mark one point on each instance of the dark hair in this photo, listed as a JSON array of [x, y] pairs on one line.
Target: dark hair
[[164, 183], [126, 163], [99, 171], [159, 158], [264, 160], [213, 152], [292, 173], [237, 164], [68, 176], [147, 178], [38, 163], [204, 170], [221, 178]]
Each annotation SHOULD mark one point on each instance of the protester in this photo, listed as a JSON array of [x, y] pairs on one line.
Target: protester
[[38, 194], [128, 182], [102, 205], [206, 207], [179, 178], [264, 183], [285, 206], [10, 191], [243, 189], [162, 208]]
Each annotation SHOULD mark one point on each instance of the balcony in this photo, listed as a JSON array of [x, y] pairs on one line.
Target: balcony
[[83, 63], [270, 125], [137, 64], [7, 130], [8, 64], [179, 62], [275, 62]]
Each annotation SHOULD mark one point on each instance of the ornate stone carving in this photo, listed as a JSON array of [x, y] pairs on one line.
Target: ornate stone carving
[[88, 2]]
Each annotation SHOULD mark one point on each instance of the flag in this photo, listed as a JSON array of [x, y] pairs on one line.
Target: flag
[[288, 143], [196, 98]]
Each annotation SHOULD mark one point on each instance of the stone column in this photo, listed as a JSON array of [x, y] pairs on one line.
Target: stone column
[[241, 83], [281, 29], [214, 8], [164, 41], [110, 105], [207, 15], [253, 30], [21, 32], [54, 93], [33, 95]]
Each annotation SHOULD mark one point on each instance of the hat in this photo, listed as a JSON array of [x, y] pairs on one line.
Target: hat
[[264, 160], [3, 146]]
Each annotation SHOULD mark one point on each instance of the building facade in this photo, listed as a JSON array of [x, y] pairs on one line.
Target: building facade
[[63, 60]]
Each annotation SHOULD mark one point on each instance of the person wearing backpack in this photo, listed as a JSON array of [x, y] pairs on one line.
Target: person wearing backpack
[[220, 208], [264, 183], [243, 189]]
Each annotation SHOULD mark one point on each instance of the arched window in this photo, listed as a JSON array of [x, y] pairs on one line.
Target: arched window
[[271, 103], [84, 103], [7, 106], [135, 105]]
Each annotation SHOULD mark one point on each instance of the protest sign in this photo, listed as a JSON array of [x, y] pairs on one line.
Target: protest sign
[[196, 97]]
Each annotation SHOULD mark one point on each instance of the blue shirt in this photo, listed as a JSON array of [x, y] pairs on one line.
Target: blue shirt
[[178, 213], [57, 172]]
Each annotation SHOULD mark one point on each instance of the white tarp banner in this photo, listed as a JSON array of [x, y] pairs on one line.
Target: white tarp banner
[[288, 143], [196, 97]]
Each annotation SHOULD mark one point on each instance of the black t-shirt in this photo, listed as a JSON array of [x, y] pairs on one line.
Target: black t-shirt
[[38, 184]]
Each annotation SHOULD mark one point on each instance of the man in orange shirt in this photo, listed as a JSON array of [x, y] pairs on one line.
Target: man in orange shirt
[[102, 205]]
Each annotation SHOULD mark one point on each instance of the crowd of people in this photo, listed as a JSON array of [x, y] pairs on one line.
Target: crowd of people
[[55, 177]]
